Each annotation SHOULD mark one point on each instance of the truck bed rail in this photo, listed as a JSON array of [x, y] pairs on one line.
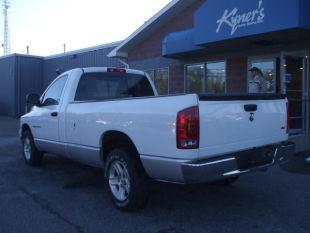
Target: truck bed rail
[[229, 97]]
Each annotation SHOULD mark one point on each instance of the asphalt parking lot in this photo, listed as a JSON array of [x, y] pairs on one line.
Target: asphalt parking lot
[[64, 196]]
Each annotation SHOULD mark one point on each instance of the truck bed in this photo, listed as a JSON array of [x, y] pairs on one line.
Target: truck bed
[[232, 123]]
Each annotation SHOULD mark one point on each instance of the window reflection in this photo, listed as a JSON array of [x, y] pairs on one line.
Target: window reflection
[[268, 69], [160, 77], [195, 78], [216, 76], [206, 78]]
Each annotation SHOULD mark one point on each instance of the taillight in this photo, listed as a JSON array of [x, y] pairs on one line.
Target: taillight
[[188, 128], [288, 117], [116, 70]]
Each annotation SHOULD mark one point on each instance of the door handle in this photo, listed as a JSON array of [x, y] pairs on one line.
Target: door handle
[[250, 108], [54, 114]]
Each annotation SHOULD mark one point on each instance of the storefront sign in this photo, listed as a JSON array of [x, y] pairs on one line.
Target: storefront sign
[[236, 19], [219, 20], [223, 20]]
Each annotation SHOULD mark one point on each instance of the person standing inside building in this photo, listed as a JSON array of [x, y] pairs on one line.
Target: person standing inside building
[[257, 82]]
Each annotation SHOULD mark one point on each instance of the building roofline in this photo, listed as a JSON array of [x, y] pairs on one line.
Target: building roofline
[[117, 53], [20, 55], [79, 51]]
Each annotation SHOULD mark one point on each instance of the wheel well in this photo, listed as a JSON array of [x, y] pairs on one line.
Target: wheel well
[[25, 127], [115, 139]]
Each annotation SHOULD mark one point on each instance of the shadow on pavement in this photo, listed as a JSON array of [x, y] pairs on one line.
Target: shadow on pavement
[[75, 175], [298, 165]]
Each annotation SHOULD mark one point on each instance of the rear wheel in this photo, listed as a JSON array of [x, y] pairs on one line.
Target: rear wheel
[[32, 156], [125, 180]]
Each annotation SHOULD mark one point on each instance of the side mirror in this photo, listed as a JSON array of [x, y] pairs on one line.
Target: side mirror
[[50, 102], [33, 99]]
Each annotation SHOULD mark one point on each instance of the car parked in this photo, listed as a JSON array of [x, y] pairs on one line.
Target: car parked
[[113, 119]]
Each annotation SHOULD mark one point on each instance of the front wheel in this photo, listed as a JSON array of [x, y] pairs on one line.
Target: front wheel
[[32, 156], [125, 180]]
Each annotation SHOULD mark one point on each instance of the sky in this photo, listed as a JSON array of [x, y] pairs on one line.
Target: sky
[[45, 25]]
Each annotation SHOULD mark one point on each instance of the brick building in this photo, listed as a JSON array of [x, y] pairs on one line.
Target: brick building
[[195, 46], [208, 46]]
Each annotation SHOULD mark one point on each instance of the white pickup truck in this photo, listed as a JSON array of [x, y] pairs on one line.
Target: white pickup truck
[[114, 119]]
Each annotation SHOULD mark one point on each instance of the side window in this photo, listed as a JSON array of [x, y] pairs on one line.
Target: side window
[[53, 94], [105, 86]]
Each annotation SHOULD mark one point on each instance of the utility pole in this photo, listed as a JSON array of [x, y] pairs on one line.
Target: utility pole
[[64, 48], [6, 41]]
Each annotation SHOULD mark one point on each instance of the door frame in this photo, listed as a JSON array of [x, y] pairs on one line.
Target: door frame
[[305, 84], [307, 89]]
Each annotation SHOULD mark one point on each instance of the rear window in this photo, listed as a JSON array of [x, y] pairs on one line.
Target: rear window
[[105, 86]]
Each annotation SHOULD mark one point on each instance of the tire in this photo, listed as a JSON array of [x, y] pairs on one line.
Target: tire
[[32, 156], [226, 182], [125, 180]]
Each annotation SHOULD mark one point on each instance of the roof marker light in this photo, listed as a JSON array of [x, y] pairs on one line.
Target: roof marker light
[[116, 70]]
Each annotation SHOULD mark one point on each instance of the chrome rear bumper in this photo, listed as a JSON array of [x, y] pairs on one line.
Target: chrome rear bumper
[[217, 168], [238, 163]]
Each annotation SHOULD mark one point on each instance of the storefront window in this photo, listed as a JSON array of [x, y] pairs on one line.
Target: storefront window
[[160, 78], [267, 83], [195, 78], [152, 74], [216, 76], [206, 78]]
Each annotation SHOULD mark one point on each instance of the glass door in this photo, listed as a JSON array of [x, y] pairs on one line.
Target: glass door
[[294, 85], [268, 67]]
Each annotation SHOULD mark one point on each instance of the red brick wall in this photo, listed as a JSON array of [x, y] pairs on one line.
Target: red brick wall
[[237, 75], [148, 55], [152, 46]]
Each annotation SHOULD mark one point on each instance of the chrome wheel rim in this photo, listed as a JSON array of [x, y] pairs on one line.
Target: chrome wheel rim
[[27, 148], [119, 180]]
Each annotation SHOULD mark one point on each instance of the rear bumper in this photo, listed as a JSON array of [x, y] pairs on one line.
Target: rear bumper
[[238, 164], [219, 168]]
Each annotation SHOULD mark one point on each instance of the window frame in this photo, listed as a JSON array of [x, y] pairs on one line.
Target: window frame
[[74, 101], [48, 88], [267, 58], [225, 73], [185, 74], [205, 63], [155, 72]]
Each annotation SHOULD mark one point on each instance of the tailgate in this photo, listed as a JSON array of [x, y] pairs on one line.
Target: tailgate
[[234, 123]]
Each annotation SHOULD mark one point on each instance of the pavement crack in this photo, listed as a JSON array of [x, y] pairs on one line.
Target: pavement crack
[[46, 205]]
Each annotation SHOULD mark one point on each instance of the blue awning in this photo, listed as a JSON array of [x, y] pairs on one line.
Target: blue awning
[[179, 42], [225, 20]]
